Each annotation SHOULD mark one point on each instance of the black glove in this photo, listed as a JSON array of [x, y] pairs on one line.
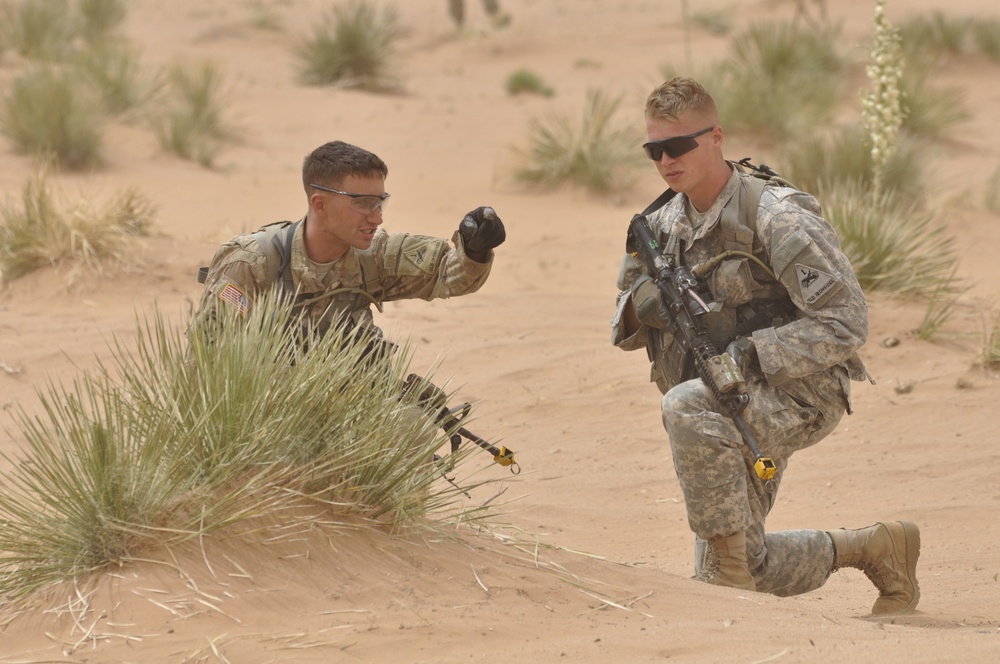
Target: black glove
[[482, 230], [744, 353], [647, 300]]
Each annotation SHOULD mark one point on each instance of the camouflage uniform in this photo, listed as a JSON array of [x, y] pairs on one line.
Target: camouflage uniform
[[807, 326], [394, 267]]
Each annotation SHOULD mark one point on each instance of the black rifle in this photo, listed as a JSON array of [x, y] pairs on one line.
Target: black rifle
[[427, 395], [432, 399], [678, 287]]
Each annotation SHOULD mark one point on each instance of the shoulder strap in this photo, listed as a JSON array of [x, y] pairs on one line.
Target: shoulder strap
[[738, 224], [277, 253], [275, 241], [660, 201]]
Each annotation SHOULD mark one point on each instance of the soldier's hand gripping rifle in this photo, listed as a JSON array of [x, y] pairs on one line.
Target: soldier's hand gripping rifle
[[432, 399], [719, 372]]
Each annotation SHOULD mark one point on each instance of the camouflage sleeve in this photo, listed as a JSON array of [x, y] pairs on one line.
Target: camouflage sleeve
[[628, 272], [234, 278], [428, 268], [805, 254]]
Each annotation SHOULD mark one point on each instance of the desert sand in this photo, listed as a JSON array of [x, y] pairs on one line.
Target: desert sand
[[594, 560]]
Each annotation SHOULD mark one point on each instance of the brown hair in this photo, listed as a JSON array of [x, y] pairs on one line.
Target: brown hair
[[331, 163], [679, 95]]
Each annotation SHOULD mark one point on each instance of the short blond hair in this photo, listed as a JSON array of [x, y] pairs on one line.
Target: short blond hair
[[679, 95]]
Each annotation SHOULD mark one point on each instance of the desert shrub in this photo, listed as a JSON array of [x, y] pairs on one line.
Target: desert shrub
[[525, 80], [595, 154], [986, 37], [989, 352], [39, 29], [941, 306], [352, 47], [816, 163], [931, 110], [194, 125], [893, 243], [935, 33], [777, 79], [166, 442], [40, 230], [52, 113], [112, 70], [991, 199], [100, 18]]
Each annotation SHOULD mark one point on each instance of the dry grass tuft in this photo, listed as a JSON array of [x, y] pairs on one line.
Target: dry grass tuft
[[40, 231], [595, 154]]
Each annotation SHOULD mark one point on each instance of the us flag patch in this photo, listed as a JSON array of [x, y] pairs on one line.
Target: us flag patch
[[237, 298]]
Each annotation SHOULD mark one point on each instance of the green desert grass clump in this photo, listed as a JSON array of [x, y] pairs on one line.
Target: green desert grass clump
[[596, 154], [39, 29], [50, 112], [39, 230], [168, 441], [778, 79], [352, 47], [989, 353], [194, 125], [935, 33], [818, 163], [930, 36], [525, 80], [941, 306], [894, 244], [991, 199], [100, 18], [931, 109], [986, 36], [113, 71], [54, 30]]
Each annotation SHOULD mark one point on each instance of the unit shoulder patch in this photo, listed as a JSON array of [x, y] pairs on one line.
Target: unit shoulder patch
[[420, 255], [813, 283]]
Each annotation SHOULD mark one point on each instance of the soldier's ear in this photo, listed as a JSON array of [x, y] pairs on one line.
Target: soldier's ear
[[317, 202]]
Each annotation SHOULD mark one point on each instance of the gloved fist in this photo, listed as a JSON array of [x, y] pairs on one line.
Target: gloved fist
[[647, 300], [744, 354], [482, 230]]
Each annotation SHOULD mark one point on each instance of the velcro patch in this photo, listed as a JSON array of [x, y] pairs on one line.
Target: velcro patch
[[420, 255], [813, 283], [417, 255], [237, 298]]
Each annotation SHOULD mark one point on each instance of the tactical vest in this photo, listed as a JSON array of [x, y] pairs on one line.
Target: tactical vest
[[328, 307], [325, 308], [770, 304]]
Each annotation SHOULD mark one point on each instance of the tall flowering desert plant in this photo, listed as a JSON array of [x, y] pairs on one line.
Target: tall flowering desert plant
[[882, 108]]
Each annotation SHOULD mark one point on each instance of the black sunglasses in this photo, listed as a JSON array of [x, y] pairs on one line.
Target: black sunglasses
[[674, 147]]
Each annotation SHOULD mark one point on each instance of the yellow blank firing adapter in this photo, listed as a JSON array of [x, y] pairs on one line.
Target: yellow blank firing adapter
[[505, 458], [765, 468]]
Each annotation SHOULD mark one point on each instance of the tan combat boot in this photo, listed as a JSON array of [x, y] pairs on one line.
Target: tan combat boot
[[887, 553], [726, 563]]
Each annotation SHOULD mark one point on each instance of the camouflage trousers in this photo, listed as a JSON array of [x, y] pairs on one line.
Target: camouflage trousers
[[723, 494]]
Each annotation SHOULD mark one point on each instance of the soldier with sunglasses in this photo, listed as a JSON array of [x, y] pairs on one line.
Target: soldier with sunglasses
[[782, 298], [336, 262]]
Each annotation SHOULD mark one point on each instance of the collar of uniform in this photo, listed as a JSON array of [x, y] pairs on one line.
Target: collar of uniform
[[703, 222], [345, 271]]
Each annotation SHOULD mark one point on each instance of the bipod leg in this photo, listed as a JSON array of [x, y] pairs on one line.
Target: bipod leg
[[451, 480]]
